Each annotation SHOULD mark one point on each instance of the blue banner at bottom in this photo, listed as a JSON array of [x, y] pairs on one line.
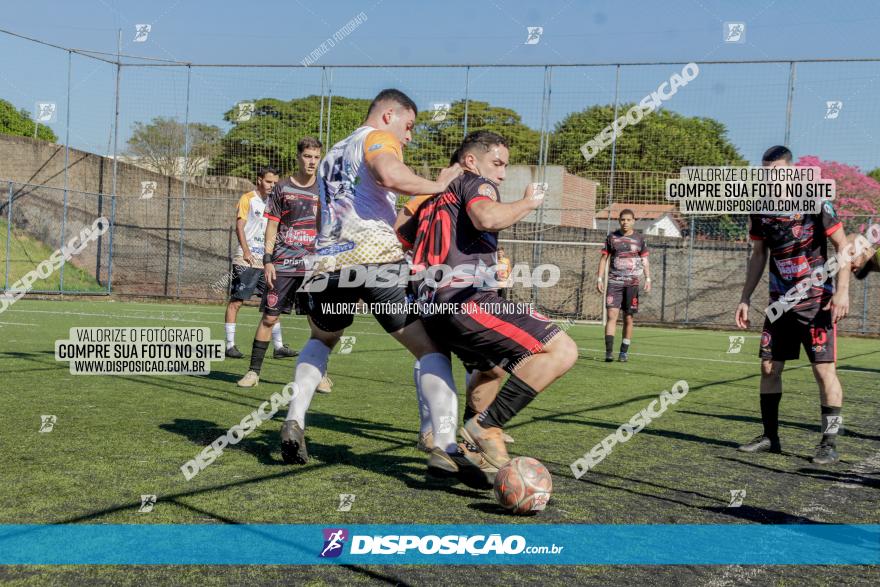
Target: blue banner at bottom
[[516, 544]]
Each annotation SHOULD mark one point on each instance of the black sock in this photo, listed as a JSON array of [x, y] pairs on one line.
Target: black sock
[[832, 424], [469, 412], [609, 343], [624, 346], [258, 351], [770, 414], [513, 397]]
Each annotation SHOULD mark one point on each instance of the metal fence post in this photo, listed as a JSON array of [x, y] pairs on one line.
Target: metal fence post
[[792, 74], [185, 178], [8, 236], [321, 116], [66, 165], [663, 287], [327, 144], [613, 147], [467, 85], [537, 251], [115, 146], [110, 244], [687, 297]]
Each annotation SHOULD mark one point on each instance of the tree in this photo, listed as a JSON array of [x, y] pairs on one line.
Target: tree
[[660, 144], [857, 195], [434, 141], [874, 174], [18, 123], [160, 146], [268, 136]]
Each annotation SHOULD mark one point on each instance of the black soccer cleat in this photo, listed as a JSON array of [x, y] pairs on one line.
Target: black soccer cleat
[[761, 444], [609, 357], [233, 353], [623, 357], [293, 444], [825, 455], [284, 352], [445, 465]]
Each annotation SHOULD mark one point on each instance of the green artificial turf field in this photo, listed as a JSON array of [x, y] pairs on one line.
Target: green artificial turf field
[[118, 437]]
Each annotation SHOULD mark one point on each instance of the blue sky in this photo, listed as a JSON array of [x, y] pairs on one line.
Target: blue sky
[[749, 99]]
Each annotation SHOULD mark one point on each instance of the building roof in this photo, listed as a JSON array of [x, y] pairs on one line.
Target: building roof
[[642, 211]]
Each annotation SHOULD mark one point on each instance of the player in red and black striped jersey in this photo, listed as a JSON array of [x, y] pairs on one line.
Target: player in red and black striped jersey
[[459, 228], [796, 246]]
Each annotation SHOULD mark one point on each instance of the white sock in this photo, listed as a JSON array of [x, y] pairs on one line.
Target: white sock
[[424, 410], [310, 368], [276, 335], [438, 389], [230, 334]]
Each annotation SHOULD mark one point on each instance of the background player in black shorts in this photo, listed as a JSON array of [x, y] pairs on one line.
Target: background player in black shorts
[[796, 245], [291, 213], [628, 253], [459, 228]]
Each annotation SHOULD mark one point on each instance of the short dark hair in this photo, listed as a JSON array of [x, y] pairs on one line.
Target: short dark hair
[[626, 211], [454, 159], [307, 143], [264, 170], [482, 140], [777, 153], [396, 96]]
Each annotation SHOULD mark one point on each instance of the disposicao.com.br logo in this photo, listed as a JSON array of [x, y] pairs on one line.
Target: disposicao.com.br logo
[[431, 544]]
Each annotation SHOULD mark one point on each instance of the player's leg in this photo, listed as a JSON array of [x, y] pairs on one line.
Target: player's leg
[[776, 348], [326, 329], [613, 303], [820, 343], [232, 308], [426, 434], [275, 301], [628, 323]]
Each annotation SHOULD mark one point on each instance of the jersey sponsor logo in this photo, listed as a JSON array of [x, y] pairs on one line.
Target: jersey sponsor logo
[[797, 230], [829, 209], [299, 237], [335, 249], [488, 191], [793, 267], [375, 147]]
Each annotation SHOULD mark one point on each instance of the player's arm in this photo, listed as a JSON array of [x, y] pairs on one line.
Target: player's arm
[[493, 216], [604, 257], [839, 304], [646, 265], [240, 220], [268, 267], [384, 159], [754, 271]]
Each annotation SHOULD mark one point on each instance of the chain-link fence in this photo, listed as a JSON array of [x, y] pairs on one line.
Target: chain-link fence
[[165, 149]]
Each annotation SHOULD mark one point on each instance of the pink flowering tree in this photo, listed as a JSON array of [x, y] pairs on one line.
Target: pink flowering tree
[[858, 195]]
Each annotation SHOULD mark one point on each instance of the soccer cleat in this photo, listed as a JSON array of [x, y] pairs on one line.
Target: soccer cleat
[[623, 357], [825, 455], [761, 444], [426, 442], [476, 458], [325, 386], [284, 352], [250, 379], [609, 357], [508, 439], [489, 441], [442, 464], [232, 352], [293, 444]]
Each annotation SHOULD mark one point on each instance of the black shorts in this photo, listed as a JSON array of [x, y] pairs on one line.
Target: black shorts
[[625, 297], [284, 296], [246, 281], [331, 309], [485, 330], [782, 340]]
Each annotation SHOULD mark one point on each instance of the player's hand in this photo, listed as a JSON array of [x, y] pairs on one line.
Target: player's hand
[[269, 274], [839, 305], [248, 257], [600, 285], [534, 195], [447, 175], [647, 285], [742, 316]]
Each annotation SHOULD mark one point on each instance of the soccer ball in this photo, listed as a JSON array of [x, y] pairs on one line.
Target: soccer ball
[[523, 486]]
